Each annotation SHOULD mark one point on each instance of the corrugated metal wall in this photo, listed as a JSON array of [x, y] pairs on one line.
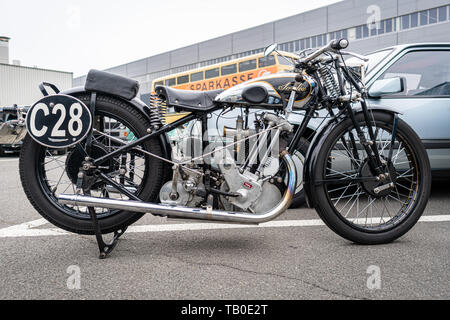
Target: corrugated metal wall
[[19, 85], [341, 15]]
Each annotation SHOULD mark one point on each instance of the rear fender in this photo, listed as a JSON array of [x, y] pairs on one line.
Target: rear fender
[[314, 148], [141, 107]]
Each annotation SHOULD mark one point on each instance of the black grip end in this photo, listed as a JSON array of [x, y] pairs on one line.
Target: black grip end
[[9, 110], [339, 44]]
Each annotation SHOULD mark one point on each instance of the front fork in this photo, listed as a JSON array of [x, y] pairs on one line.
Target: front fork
[[376, 163]]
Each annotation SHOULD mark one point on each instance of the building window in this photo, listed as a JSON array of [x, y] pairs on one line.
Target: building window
[[405, 22], [345, 33], [291, 46], [423, 17], [432, 16], [365, 31], [373, 31], [442, 14], [381, 27], [414, 19], [358, 32], [388, 25], [307, 43]]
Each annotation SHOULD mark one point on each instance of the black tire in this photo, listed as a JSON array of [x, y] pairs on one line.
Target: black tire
[[299, 157], [2, 152], [399, 225], [47, 206]]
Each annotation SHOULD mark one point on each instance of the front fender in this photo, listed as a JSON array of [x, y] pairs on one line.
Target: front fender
[[141, 107], [314, 148]]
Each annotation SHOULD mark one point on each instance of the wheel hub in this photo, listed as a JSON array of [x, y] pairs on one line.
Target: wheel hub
[[75, 161], [385, 182]]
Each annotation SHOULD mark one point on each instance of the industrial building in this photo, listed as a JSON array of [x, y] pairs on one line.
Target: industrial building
[[19, 84], [368, 24]]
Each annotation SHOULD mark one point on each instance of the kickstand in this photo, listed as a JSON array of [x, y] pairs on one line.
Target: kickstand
[[105, 248]]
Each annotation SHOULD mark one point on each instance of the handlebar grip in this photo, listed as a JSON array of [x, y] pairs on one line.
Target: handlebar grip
[[339, 44], [10, 110]]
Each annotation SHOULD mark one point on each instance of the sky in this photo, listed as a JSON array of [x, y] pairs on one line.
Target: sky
[[76, 36]]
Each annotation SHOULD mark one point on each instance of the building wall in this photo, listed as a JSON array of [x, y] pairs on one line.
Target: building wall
[[4, 52], [19, 85], [309, 29]]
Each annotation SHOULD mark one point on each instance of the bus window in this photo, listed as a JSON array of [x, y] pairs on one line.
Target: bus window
[[284, 61], [183, 79], [159, 83], [232, 68], [247, 65], [170, 82], [266, 61], [212, 73], [197, 76]]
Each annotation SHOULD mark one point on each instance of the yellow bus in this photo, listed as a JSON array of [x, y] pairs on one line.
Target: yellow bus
[[224, 75]]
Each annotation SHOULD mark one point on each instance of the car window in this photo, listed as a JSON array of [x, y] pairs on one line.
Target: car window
[[427, 73], [375, 58]]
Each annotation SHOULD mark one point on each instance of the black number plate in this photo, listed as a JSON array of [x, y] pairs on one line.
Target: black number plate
[[59, 121]]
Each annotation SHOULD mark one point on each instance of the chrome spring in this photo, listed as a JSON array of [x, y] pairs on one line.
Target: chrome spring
[[329, 82], [158, 111]]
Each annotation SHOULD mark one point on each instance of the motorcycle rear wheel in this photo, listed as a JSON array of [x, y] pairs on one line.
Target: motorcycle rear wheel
[[146, 180], [352, 209]]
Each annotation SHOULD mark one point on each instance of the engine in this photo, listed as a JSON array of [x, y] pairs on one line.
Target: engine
[[243, 176]]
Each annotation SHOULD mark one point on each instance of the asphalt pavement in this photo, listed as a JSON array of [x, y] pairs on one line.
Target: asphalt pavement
[[295, 257]]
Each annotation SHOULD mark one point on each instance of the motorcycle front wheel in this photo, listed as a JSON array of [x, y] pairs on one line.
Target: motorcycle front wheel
[[366, 211], [45, 172]]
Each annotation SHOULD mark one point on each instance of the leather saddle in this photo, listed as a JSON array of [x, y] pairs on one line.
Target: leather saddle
[[189, 100]]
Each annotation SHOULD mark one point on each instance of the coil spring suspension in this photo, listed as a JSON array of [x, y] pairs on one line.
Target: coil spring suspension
[[329, 82], [158, 111]]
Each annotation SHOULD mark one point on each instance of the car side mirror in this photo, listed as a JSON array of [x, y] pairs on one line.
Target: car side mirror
[[270, 49], [384, 87]]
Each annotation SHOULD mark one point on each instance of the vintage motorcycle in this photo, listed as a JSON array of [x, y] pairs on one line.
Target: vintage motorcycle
[[366, 172]]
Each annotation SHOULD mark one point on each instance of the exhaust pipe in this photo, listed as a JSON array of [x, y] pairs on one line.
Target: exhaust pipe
[[191, 213]]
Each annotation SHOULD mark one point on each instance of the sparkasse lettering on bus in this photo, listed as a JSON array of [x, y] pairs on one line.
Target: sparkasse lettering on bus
[[222, 83]]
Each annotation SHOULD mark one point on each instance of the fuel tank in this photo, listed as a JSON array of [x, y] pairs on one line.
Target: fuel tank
[[269, 91]]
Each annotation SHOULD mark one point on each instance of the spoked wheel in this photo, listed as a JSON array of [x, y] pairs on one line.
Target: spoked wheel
[[45, 173], [363, 206]]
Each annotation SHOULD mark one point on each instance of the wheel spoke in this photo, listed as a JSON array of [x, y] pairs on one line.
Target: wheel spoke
[[355, 201]]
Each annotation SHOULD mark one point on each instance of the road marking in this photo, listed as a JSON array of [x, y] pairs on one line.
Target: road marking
[[9, 160], [27, 229]]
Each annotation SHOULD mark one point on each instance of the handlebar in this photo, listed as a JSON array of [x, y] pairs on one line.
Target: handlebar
[[13, 109], [331, 46], [339, 44], [8, 110]]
